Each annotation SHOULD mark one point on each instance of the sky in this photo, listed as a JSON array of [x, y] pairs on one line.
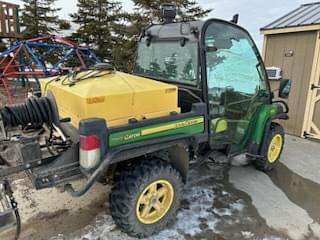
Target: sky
[[254, 14]]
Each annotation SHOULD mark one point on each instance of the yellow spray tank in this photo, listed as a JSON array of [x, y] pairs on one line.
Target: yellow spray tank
[[114, 96]]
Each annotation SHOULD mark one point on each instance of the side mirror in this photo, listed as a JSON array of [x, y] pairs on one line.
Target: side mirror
[[285, 88]]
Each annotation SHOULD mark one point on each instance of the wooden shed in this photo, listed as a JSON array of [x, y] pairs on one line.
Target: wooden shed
[[9, 20], [292, 43]]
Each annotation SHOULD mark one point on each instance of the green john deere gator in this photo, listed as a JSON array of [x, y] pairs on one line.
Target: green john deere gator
[[196, 87]]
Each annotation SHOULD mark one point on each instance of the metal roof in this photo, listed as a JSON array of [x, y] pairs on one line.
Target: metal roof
[[305, 15]]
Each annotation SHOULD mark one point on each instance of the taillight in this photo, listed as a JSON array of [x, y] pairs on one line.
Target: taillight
[[88, 143], [90, 152]]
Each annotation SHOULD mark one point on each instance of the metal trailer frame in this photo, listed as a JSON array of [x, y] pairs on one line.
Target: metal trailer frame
[[22, 61]]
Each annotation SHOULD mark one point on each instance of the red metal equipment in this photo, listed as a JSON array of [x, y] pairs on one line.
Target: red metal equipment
[[41, 57]]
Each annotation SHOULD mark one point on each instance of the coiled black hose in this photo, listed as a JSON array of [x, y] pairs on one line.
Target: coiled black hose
[[35, 111]]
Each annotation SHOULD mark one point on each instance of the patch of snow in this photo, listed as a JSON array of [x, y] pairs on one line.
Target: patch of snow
[[103, 226], [247, 234], [201, 201], [234, 207], [238, 206], [224, 193], [222, 212]]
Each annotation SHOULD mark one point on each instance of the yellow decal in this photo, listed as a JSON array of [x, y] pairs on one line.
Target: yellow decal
[[170, 90], [171, 126], [220, 125], [131, 136], [95, 100]]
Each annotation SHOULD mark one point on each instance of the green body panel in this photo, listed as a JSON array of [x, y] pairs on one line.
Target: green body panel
[[193, 125], [263, 114], [254, 129]]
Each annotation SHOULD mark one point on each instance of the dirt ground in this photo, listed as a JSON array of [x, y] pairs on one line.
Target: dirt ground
[[220, 202]]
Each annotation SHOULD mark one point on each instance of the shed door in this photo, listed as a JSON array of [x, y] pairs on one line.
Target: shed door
[[312, 114], [313, 125]]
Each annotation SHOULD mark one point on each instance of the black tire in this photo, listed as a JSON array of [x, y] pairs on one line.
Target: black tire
[[130, 183], [265, 163]]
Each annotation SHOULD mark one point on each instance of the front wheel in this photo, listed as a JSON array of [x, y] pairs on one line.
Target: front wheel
[[271, 151], [145, 197]]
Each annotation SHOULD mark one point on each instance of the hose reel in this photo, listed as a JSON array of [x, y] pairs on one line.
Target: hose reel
[[35, 111]]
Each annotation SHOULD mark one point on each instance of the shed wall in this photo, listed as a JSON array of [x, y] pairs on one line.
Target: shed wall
[[294, 54]]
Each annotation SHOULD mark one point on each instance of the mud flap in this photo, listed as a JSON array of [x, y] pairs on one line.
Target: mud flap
[[9, 214]]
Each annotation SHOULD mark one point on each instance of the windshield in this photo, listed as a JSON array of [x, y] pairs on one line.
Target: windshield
[[168, 61]]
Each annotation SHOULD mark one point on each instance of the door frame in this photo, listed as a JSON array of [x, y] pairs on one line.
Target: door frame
[[308, 124], [203, 62]]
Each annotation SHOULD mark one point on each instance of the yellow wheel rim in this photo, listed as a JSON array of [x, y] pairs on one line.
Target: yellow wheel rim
[[275, 148], [154, 202]]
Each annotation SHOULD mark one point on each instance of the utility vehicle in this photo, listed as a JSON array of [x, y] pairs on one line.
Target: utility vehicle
[[197, 87]]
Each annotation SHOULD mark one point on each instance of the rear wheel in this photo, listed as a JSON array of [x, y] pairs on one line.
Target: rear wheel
[[145, 197], [272, 149]]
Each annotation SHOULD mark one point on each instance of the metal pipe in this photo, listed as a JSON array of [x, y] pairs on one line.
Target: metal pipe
[[92, 179]]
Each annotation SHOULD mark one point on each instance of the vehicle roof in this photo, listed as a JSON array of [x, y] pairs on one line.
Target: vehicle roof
[[175, 30]]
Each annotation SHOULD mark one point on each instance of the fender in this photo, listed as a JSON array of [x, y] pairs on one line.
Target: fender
[[281, 116], [266, 116]]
